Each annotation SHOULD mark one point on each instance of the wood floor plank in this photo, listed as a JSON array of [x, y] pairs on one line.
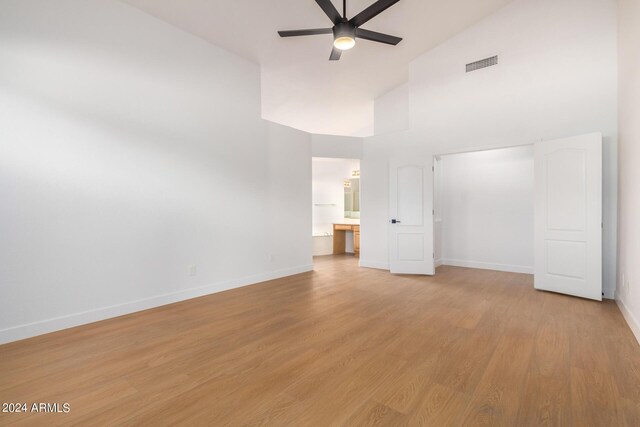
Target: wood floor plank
[[495, 400], [375, 414], [546, 396], [439, 406], [594, 398], [341, 345]]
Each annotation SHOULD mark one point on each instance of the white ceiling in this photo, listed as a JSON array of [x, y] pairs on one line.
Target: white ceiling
[[301, 88]]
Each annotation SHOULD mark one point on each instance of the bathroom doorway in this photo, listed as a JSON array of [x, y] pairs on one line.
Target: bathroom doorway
[[335, 206]]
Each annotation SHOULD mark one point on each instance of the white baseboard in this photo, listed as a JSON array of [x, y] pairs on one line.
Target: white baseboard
[[488, 266], [630, 318], [28, 330], [374, 264], [458, 263]]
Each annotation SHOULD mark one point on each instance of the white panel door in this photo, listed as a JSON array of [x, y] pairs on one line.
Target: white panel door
[[568, 217], [411, 222]]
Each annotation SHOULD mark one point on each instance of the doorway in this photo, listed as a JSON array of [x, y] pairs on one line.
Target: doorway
[[484, 209], [335, 206]]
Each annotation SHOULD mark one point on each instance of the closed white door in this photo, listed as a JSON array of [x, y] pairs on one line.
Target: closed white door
[[568, 216], [411, 222]]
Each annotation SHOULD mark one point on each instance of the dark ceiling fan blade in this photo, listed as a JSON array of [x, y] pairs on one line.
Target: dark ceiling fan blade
[[309, 32], [335, 54], [361, 33], [330, 10], [373, 10]]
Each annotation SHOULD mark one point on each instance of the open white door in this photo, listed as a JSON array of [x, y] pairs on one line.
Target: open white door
[[411, 222], [568, 216]]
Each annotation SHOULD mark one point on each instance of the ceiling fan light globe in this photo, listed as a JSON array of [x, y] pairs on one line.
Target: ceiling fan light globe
[[344, 42]]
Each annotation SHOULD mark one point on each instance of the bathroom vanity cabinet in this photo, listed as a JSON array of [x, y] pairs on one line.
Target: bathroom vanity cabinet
[[340, 238]]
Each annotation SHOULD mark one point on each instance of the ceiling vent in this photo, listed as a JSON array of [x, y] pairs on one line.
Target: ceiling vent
[[483, 63]]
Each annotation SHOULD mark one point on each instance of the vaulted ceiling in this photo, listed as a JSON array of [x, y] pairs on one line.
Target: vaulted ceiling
[[301, 88]]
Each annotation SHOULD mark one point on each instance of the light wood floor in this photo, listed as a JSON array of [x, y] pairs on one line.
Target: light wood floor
[[341, 346]]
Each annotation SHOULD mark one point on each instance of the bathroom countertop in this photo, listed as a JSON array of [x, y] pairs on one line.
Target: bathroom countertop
[[349, 221]]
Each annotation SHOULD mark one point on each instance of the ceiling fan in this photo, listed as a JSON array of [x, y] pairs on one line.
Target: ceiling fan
[[345, 31]]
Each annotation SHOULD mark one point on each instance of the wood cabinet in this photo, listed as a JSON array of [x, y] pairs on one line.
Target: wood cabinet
[[342, 227], [340, 239], [356, 240]]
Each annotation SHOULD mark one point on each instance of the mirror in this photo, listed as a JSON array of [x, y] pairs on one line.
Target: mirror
[[352, 198]]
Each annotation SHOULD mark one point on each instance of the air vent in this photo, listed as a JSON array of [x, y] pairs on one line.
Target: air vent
[[484, 63]]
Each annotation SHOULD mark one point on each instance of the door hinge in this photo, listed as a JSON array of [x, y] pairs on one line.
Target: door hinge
[[433, 168], [433, 212]]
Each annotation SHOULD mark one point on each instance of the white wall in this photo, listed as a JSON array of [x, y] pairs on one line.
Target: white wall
[[340, 147], [628, 291], [328, 177], [130, 151], [391, 111], [289, 165], [487, 209], [437, 210], [557, 77]]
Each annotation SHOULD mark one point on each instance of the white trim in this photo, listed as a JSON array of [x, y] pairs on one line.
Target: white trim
[[28, 330], [374, 264], [438, 262], [630, 318], [489, 147], [608, 293], [488, 266]]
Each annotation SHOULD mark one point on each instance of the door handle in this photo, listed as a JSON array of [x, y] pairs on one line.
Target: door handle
[[395, 221]]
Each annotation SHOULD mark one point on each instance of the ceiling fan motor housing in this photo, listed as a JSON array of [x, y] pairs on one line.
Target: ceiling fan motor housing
[[344, 29]]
